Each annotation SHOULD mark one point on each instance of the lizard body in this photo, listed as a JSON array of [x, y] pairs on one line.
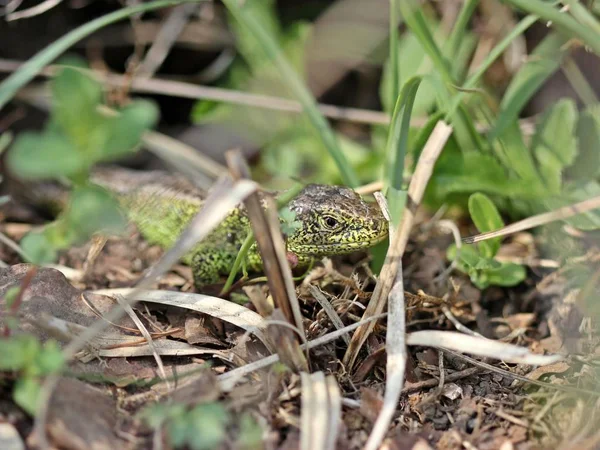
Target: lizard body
[[332, 220]]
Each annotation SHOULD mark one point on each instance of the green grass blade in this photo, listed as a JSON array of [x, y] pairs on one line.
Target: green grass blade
[[464, 128], [543, 62], [580, 13], [397, 142], [460, 27], [297, 86], [394, 38], [397, 148], [413, 17], [561, 21], [10, 86], [496, 52]]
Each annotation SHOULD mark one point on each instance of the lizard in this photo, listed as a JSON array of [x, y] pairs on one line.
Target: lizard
[[332, 220]]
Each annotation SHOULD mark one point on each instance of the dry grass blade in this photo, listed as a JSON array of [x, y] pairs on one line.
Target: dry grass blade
[[187, 90], [313, 418], [321, 411], [213, 306], [33, 11], [395, 346], [265, 225], [423, 172], [479, 346], [131, 313], [128, 348], [165, 39], [218, 204], [335, 411], [266, 229], [540, 219], [329, 310]]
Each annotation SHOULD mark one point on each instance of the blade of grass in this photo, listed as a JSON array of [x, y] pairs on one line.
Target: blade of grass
[[394, 38], [496, 52], [464, 128], [10, 86], [579, 82], [413, 17], [543, 62], [297, 86], [416, 190], [583, 15], [460, 27], [397, 144], [562, 21]]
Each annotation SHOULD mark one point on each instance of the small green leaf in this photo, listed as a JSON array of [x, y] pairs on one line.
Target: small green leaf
[[469, 256], [92, 209], [207, 426], [125, 131], [17, 352], [289, 224], [76, 97], [486, 218], [44, 155], [26, 393], [39, 248], [485, 264], [507, 275]]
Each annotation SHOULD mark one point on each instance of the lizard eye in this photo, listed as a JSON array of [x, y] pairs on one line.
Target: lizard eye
[[330, 222]]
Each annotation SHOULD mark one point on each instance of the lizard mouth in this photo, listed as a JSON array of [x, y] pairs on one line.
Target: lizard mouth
[[336, 248]]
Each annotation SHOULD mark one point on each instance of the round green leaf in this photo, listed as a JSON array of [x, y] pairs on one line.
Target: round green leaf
[[486, 218], [43, 156], [76, 97], [39, 248], [509, 274], [125, 131], [92, 209]]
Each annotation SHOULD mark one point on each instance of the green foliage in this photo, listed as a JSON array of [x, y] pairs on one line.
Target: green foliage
[[289, 224], [24, 355], [542, 63], [202, 427], [397, 148], [80, 133], [478, 260], [250, 22]]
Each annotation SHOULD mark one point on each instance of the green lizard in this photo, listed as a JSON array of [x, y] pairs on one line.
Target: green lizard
[[332, 220]]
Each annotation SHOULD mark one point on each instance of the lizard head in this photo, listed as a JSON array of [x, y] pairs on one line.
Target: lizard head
[[334, 220]]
